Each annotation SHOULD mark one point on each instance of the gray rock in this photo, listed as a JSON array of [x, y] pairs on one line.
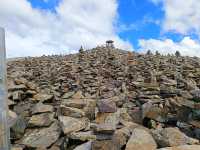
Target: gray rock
[[42, 138], [70, 125], [41, 120], [41, 108], [141, 140], [83, 136], [170, 137], [85, 146], [18, 129], [43, 97], [71, 112], [107, 106]]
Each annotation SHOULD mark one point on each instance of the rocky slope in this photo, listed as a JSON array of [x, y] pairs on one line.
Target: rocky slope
[[105, 99]]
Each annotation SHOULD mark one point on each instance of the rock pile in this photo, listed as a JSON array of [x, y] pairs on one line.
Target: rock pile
[[105, 99]]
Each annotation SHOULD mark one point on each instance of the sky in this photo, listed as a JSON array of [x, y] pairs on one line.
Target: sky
[[46, 27]]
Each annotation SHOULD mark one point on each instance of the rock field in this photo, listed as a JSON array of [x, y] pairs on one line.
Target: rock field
[[105, 99]]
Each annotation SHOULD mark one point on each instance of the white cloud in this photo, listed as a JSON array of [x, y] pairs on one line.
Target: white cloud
[[32, 31], [186, 46], [181, 16]]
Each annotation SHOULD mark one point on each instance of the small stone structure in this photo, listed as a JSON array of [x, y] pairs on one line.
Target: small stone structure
[[110, 44]]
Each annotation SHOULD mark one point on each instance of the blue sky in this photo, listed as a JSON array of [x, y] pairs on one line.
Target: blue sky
[[139, 16], [61, 26]]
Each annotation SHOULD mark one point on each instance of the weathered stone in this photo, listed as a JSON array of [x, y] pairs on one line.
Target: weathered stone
[[41, 108], [117, 92], [103, 145], [172, 137], [153, 112], [85, 146], [70, 125], [182, 147], [18, 128], [76, 103], [196, 95], [11, 103], [43, 97], [17, 147], [141, 140], [72, 112], [17, 95], [121, 136], [17, 87], [68, 95], [106, 106], [12, 118], [43, 138], [106, 128], [41, 120], [78, 95], [83, 136]]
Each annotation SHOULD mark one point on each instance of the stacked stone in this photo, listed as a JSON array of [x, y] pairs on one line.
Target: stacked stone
[[104, 99]]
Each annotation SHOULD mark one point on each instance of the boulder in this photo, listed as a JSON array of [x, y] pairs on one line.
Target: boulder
[[141, 140], [169, 137], [85, 146], [182, 147], [103, 145], [106, 106], [70, 125], [41, 108], [71, 112], [76, 103], [121, 136], [83, 136], [42, 138], [68, 95], [43, 97], [41, 120], [18, 128]]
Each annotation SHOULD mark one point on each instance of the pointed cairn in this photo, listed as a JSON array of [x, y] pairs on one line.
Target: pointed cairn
[[131, 59], [81, 55]]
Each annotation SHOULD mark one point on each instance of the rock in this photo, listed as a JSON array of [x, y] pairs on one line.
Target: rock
[[12, 118], [68, 95], [103, 145], [17, 95], [182, 147], [141, 140], [121, 136], [17, 147], [78, 95], [76, 103], [153, 112], [106, 106], [108, 118], [85, 146], [71, 112], [41, 120], [168, 91], [196, 95], [83, 136], [41, 108], [18, 128], [43, 97], [42, 138], [20, 87], [170, 137], [103, 96], [70, 125], [106, 128]]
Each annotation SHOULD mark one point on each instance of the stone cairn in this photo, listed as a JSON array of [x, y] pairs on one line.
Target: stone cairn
[[105, 99]]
